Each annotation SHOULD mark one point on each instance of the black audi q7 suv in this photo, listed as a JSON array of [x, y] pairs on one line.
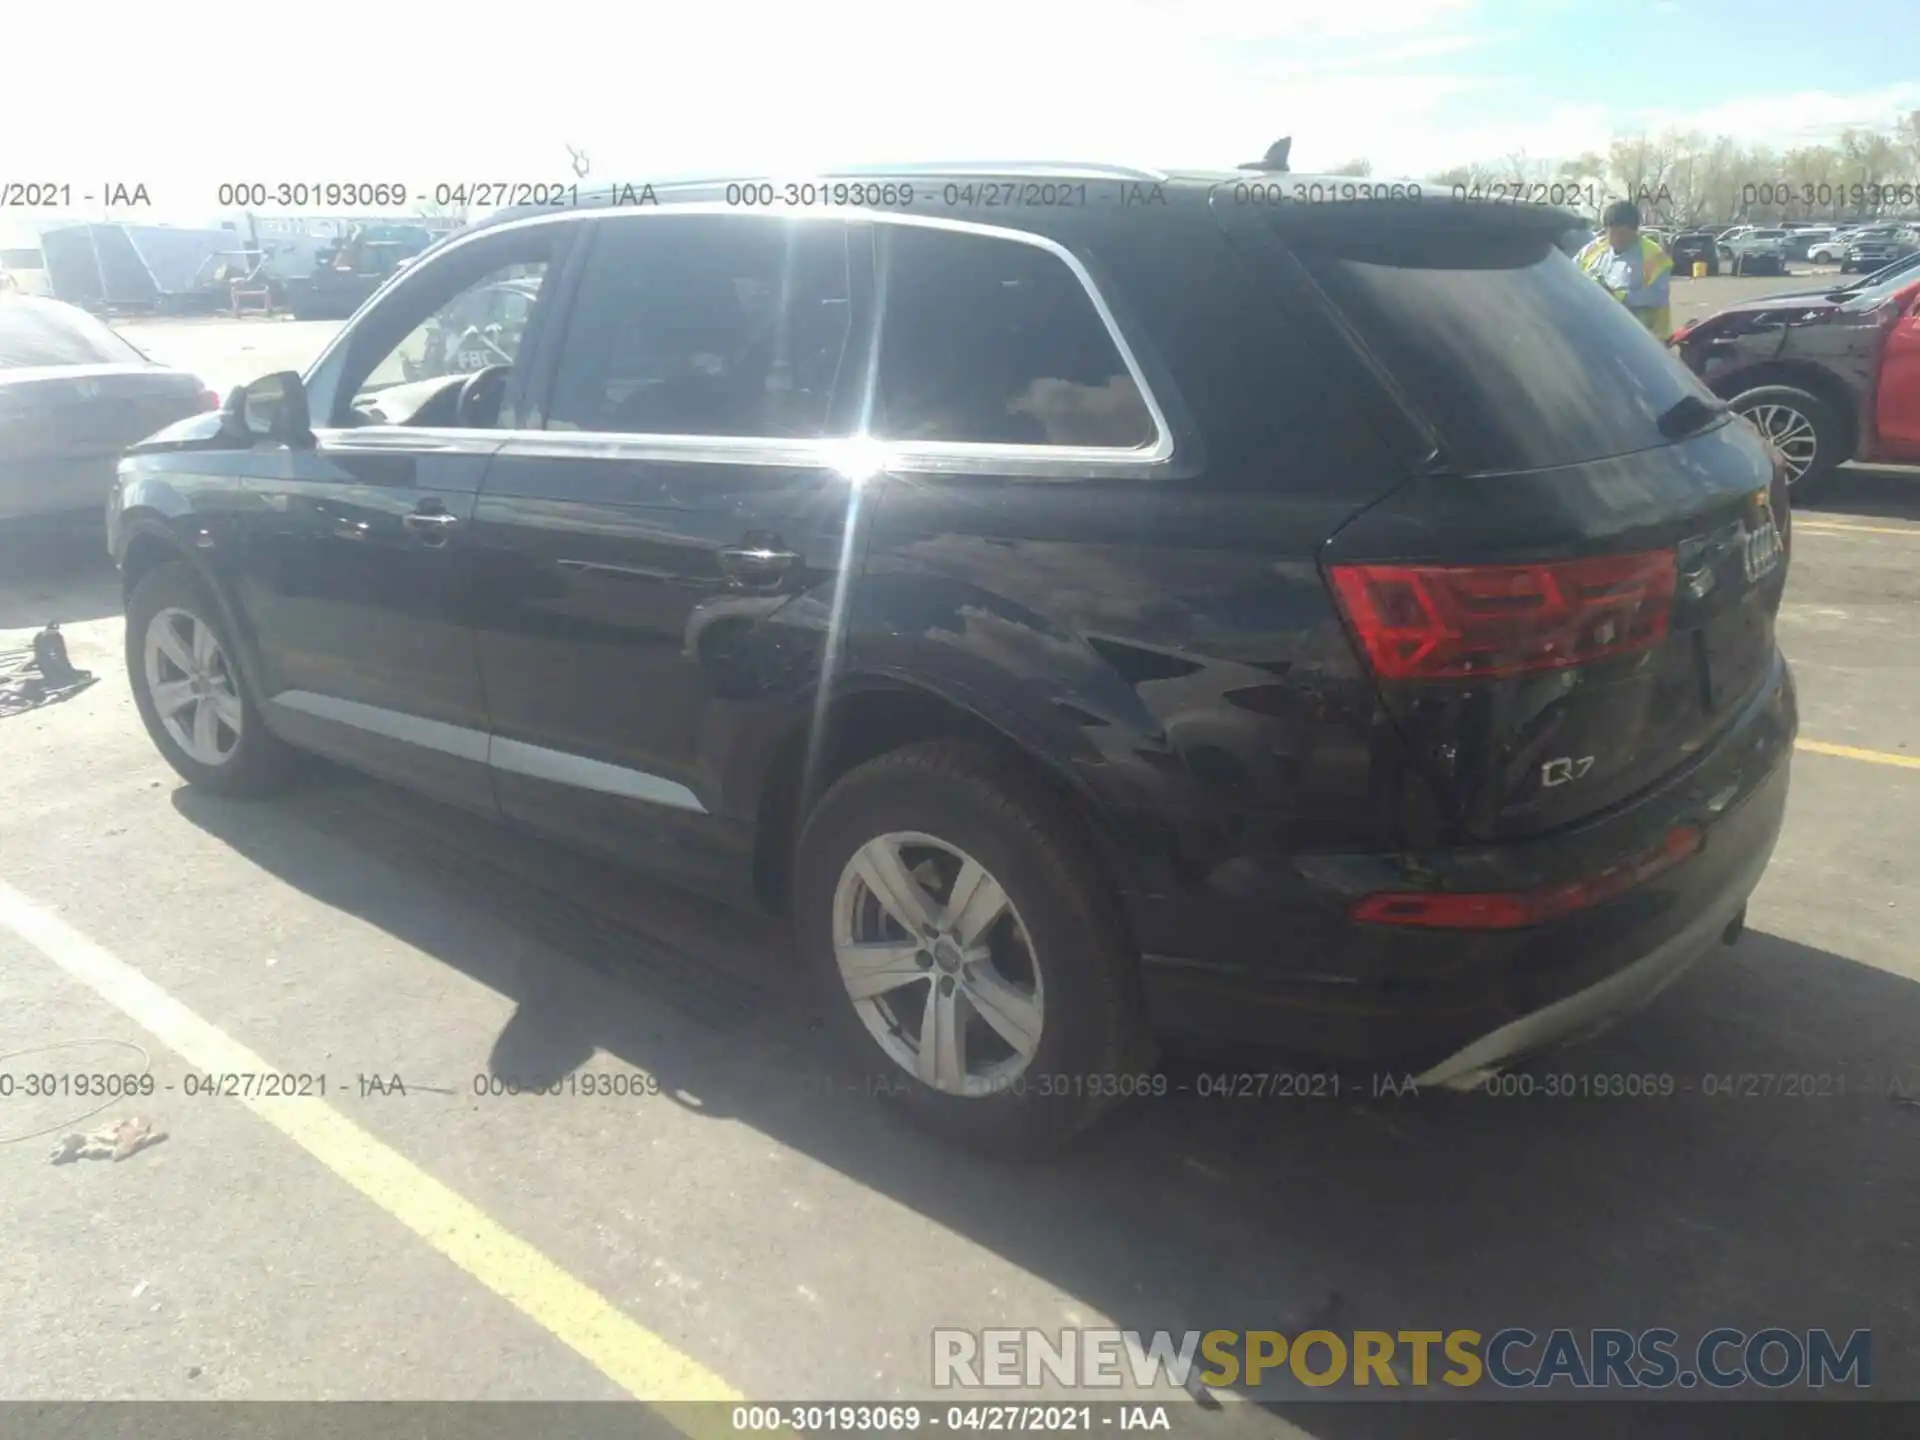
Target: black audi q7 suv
[[1099, 607]]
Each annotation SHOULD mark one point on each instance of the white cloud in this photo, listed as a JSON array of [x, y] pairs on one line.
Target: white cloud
[[1808, 117], [756, 86]]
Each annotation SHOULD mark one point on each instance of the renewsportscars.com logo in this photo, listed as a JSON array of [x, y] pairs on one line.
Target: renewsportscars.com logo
[[1512, 1359]]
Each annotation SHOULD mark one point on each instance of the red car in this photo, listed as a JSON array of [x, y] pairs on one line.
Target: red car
[[1827, 375]]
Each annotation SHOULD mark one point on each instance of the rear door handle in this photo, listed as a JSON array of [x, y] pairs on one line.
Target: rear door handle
[[756, 564]]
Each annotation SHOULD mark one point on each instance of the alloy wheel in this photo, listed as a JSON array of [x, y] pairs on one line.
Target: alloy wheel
[[192, 686], [1792, 434], [937, 963]]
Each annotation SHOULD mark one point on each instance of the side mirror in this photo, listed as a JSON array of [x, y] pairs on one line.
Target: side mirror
[[274, 407]]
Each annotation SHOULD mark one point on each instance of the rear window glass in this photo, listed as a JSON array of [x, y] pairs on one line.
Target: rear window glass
[[34, 332], [1518, 360], [995, 341]]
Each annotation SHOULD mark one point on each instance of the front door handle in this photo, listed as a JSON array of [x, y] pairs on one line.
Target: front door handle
[[430, 525], [756, 564]]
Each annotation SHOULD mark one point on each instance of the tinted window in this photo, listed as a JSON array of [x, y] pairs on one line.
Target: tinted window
[[37, 332], [1242, 355], [703, 325], [1517, 359], [994, 341], [469, 333]]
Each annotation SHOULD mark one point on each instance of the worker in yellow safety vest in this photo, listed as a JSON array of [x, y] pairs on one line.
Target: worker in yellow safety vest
[[1633, 268]]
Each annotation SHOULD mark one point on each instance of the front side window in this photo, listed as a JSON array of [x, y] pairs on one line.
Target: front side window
[[481, 326], [995, 341], [706, 325]]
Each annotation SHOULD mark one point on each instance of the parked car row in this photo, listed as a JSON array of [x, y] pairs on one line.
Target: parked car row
[[1861, 248], [1766, 250]]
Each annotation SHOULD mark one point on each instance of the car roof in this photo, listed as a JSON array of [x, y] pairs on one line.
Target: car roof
[[1180, 187]]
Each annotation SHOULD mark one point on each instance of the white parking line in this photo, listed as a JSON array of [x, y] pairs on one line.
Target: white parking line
[[640, 1362]]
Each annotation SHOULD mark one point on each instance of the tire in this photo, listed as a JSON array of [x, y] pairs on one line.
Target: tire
[[1770, 406], [253, 760], [1092, 1050]]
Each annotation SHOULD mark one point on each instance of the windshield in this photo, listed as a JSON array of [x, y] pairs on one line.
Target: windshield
[[41, 332], [1518, 359], [1882, 283]]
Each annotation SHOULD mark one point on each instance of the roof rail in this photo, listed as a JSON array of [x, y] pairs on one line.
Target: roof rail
[[1003, 167]]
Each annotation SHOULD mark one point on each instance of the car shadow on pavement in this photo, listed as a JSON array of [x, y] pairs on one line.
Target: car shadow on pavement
[[1864, 492], [62, 575], [1730, 1200]]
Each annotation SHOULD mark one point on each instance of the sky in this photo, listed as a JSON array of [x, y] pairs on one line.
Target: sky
[[423, 94]]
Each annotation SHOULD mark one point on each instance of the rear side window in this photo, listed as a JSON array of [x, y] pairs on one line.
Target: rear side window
[[38, 332], [706, 325], [1518, 360], [996, 341]]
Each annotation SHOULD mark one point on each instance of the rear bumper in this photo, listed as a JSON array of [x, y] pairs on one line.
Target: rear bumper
[[1288, 970], [1586, 1011]]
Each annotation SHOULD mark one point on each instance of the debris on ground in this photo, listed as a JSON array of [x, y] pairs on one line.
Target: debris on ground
[[29, 680], [112, 1142], [50, 657]]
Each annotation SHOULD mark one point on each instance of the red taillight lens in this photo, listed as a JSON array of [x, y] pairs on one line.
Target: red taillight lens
[[209, 400], [1462, 622], [1437, 910]]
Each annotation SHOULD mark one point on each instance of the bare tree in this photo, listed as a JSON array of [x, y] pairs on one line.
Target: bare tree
[[1640, 167], [434, 210], [1686, 178], [1360, 167], [1472, 176], [1519, 165], [1907, 136]]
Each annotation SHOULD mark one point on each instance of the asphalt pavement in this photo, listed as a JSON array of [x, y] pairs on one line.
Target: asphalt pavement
[[729, 1222]]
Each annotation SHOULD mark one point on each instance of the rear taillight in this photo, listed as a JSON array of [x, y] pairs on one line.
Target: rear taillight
[[1438, 910], [209, 400], [1466, 622]]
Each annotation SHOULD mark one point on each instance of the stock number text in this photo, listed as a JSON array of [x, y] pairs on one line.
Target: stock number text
[[252, 194], [47, 1083], [1322, 192], [1782, 192]]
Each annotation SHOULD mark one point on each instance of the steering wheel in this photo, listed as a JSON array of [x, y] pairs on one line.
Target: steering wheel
[[483, 388]]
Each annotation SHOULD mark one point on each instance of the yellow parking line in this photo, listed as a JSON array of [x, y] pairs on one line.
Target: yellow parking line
[[1849, 752], [635, 1359], [1822, 527]]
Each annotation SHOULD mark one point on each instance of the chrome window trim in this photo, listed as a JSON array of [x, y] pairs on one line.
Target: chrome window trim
[[826, 452], [450, 439]]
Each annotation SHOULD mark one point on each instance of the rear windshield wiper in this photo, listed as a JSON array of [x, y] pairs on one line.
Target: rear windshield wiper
[[1688, 414]]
